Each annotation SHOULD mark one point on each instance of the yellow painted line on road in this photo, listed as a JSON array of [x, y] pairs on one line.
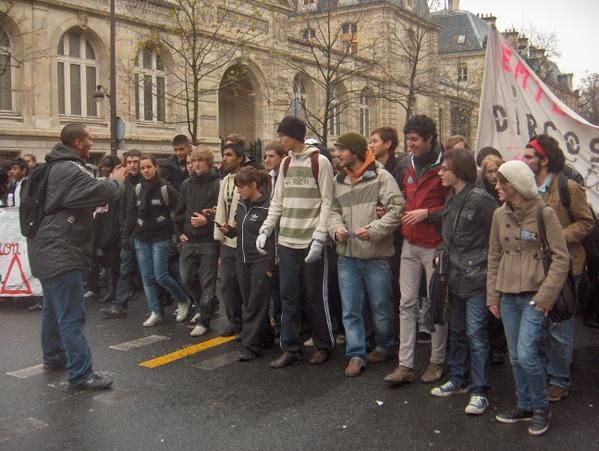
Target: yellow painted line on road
[[185, 352]]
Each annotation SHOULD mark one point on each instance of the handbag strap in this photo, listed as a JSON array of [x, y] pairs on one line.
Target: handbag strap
[[541, 224]]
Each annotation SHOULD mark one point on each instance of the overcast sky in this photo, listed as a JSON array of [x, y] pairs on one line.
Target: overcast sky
[[575, 22]]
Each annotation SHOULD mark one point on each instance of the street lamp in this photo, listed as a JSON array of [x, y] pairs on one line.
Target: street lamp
[[101, 91]]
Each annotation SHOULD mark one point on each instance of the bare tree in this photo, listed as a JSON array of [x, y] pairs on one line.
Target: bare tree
[[412, 48], [589, 98], [329, 60], [203, 37], [543, 49]]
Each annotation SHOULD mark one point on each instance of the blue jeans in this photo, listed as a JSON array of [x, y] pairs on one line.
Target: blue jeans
[[122, 285], [152, 259], [469, 342], [354, 276], [523, 326], [558, 346], [63, 319]]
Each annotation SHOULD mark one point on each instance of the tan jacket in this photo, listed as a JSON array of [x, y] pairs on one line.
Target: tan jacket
[[580, 211], [228, 197], [515, 264]]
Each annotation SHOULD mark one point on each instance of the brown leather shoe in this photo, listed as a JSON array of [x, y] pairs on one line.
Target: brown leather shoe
[[378, 357], [433, 373], [401, 375], [354, 367], [319, 356], [555, 393], [286, 359]]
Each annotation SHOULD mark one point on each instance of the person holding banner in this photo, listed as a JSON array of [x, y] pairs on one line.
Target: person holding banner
[[546, 160], [518, 290], [60, 254]]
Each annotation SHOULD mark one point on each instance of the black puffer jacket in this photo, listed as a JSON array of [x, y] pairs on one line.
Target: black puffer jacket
[[468, 245], [124, 201], [155, 223], [197, 193], [175, 171], [65, 238]]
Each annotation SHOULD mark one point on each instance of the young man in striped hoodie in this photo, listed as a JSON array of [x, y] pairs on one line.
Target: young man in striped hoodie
[[300, 207]]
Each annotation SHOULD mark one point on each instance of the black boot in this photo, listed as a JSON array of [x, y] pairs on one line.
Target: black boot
[[111, 294]]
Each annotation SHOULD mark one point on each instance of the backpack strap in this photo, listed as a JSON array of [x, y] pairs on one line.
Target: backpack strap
[[314, 166], [564, 191], [164, 194]]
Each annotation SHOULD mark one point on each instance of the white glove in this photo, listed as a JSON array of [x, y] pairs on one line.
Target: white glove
[[318, 241], [263, 235]]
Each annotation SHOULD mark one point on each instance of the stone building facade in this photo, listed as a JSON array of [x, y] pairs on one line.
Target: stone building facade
[[260, 65]]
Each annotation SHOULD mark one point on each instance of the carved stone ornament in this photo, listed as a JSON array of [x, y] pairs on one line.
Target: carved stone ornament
[[83, 20]]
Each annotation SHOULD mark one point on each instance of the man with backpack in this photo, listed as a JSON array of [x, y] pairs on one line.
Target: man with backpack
[[300, 207], [56, 217], [546, 160]]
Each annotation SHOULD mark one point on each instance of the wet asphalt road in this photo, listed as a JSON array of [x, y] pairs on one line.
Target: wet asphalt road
[[209, 401]]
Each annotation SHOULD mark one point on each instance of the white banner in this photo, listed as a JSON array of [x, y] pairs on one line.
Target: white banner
[[516, 105], [15, 274]]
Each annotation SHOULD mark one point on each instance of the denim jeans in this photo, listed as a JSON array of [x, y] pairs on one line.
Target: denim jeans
[[469, 342], [198, 265], [122, 285], [558, 346], [152, 259], [523, 326], [63, 319], [374, 275]]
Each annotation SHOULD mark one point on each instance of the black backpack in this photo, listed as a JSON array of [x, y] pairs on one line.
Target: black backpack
[[33, 199], [591, 241]]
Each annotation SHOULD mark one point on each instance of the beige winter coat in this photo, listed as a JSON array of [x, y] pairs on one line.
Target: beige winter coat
[[515, 264]]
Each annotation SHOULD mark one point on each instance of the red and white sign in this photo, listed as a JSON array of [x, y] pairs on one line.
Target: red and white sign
[[516, 105], [15, 275]]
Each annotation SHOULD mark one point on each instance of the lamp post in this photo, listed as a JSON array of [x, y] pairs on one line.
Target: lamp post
[[101, 91]]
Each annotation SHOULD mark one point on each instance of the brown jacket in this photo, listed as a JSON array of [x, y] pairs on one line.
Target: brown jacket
[[580, 212], [515, 264]]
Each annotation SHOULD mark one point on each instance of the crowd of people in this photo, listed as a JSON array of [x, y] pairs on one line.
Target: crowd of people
[[342, 245]]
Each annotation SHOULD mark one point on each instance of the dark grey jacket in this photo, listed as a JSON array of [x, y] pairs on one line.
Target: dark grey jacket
[[468, 245], [65, 238]]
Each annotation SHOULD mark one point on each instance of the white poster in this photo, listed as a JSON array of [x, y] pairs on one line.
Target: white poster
[[15, 275], [516, 105]]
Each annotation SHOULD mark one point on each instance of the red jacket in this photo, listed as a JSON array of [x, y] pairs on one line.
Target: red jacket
[[424, 192]]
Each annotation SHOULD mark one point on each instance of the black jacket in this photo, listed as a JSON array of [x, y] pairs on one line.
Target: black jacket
[[106, 225], [65, 238], [468, 245], [125, 200], [157, 225], [175, 172], [197, 193], [249, 217]]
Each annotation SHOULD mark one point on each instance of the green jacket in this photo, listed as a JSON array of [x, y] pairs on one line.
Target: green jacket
[[354, 206]]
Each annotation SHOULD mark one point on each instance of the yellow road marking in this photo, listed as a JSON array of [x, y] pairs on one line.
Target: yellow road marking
[[185, 352]]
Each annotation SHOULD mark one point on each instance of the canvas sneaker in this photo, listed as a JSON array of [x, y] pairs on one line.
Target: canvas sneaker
[[182, 311], [198, 331], [448, 388], [540, 421], [514, 416], [477, 405]]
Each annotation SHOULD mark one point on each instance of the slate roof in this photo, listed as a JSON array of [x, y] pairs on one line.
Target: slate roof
[[452, 24]]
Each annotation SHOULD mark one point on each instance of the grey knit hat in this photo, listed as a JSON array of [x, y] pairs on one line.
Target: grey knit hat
[[520, 176]]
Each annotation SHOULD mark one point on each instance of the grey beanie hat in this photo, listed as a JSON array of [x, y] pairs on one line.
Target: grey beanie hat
[[520, 176]]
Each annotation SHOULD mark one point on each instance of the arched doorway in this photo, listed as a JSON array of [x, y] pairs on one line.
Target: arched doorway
[[237, 103]]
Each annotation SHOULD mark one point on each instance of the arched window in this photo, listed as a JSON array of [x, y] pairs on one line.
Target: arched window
[[298, 103], [6, 75], [150, 86], [77, 75], [364, 115]]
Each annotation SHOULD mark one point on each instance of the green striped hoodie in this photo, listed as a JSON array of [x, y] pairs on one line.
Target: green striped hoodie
[[300, 204]]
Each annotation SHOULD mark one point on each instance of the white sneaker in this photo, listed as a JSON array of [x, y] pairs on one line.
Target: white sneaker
[[195, 318], [198, 331], [477, 405], [309, 343], [182, 311], [154, 319], [90, 294]]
